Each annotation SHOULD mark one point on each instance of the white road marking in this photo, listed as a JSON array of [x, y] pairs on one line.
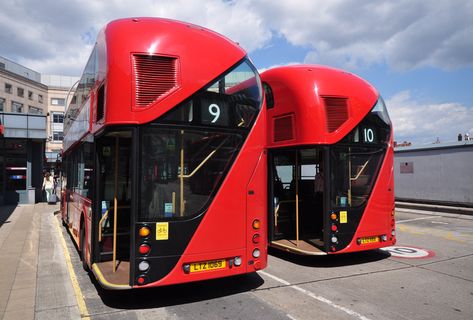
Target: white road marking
[[438, 222], [316, 297], [291, 317], [409, 220]]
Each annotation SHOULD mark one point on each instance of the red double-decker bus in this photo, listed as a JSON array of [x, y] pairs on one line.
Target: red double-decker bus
[[165, 168], [330, 155]]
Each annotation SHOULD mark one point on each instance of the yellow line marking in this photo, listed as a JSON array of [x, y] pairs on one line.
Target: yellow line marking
[[447, 235], [84, 313]]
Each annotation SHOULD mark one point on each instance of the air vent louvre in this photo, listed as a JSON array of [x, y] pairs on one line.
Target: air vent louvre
[[336, 111], [155, 77], [284, 128]]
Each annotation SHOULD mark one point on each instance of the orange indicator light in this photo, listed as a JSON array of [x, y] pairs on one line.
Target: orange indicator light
[[144, 232]]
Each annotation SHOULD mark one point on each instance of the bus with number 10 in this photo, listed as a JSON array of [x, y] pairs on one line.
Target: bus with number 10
[[330, 162], [165, 164]]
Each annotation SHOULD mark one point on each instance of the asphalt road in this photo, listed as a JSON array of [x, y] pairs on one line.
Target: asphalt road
[[371, 285]]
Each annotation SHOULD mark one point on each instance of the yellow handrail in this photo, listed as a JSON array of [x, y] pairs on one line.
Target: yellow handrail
[[115, 205], [297, 198], [202, 162], [100, 224], [183, 176], [361, 170]]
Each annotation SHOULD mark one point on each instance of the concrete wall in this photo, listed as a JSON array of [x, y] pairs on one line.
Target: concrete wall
[[435, 174]]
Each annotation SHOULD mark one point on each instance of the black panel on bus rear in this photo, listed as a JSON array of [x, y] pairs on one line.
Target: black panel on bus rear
[[164, 254]]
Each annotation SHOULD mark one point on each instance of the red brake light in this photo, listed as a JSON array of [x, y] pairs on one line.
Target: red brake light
[[144, 249], [256, 238], [334, 227]]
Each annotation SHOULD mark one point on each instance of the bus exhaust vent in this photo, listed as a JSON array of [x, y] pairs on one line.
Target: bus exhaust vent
[[336, 112], [154, 78], [283, 128]]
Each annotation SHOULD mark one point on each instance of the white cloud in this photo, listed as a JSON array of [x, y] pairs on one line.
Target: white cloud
[[405, 34], [422, 123], [52, 37]]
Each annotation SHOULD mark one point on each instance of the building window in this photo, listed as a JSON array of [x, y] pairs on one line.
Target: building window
[[30, 95], [2, 104], [58, 117], [8, 88], [20, 92], [58, 101], [406, 167], [58, 136], [35, 110], [40, 98], [16, 107]]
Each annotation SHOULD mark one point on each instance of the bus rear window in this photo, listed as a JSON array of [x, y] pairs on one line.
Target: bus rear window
[[182, 169]]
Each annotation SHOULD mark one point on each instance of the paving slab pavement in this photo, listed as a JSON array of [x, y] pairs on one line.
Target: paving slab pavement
[[34, 280]]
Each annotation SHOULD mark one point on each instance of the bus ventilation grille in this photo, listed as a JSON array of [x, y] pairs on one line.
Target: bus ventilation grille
[[284, 128], [336, 111], [154, 78]]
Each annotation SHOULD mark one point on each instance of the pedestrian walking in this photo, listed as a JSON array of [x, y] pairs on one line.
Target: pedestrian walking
[[48, 186]]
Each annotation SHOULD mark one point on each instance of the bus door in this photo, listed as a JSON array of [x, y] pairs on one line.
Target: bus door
[[112, 223], [297, 200]]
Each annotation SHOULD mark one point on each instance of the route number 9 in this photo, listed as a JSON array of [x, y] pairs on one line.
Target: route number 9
[[368, 135], [214, 110]]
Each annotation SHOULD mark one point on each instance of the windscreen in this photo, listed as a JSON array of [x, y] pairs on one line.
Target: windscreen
[[356, 160], [186, 154]]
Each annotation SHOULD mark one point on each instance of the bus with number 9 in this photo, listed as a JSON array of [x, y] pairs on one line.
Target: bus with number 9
[[330, 162], [165, 163]]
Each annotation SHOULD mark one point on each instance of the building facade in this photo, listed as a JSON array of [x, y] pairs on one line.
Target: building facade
[[31, 115], [60, 92], [23, 112], [438, 173]]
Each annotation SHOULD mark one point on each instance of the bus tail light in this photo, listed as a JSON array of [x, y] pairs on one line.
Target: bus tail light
[[334, 227], [256, 253], [141, 280], [144, 248], [384, 238], [186, 268], [256, 238], [333, 216], [334, 239], [144, 232], [256, 224], [143, 266]]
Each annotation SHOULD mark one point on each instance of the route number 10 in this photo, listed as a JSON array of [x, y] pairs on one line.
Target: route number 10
[[368, 135]]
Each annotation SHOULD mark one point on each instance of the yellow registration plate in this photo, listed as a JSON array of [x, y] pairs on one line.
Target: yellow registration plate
[[208, 265], [366, 240]]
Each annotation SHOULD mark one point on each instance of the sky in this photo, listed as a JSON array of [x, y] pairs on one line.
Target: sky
[[417, 53]]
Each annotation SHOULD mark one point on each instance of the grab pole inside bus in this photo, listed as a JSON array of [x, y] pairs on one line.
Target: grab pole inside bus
[[115, 206], [181, 178], [297, 198]]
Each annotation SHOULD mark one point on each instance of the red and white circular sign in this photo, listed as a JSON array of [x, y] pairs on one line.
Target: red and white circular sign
[[409, 252]]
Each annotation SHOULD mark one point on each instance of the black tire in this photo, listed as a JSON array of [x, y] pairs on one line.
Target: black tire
[[82, 249]]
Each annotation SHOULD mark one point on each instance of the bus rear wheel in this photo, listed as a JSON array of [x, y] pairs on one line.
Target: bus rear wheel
[[82, 249]]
